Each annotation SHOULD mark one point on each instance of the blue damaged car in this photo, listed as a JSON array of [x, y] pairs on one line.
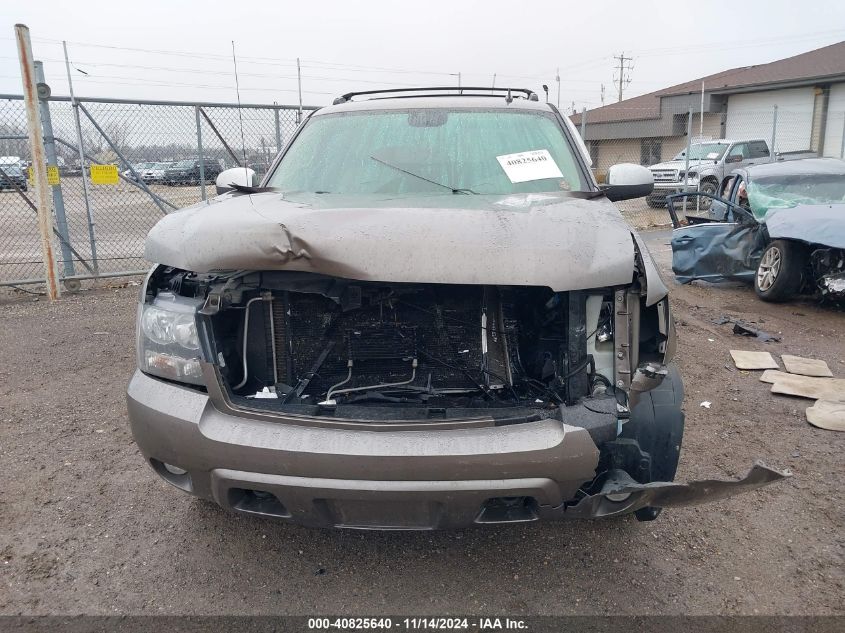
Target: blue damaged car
[[780, 226]]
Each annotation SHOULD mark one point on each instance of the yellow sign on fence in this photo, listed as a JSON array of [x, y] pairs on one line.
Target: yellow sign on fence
[[52, 175], [104, 175]]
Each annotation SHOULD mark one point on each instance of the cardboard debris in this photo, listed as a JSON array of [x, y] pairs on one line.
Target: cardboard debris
[[827, 415], [773, 375], [753, 360], [805, 366], [832, 389]]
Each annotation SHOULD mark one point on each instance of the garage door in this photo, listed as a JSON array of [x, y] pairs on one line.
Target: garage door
[[752, 116], [833, 138]]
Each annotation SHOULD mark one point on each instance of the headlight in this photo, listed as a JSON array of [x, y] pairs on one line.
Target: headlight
[[168, 344]]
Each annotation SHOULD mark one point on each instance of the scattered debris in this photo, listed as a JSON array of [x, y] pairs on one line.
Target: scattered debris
[[806, 366], [810, 387], [772, 375], [742, 328], [827, 415], [753, 360], [706, 404]]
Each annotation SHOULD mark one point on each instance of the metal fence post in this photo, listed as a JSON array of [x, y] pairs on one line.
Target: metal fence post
[[199, 152], [39, 159], [74, 104], [686, 155], [52, 160], [774, 129], [278, 131], [584, 124]]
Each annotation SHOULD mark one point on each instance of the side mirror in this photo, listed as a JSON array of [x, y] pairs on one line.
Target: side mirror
[[626, 181], [243, 176]]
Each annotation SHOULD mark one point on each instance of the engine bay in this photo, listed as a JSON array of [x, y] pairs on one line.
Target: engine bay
[[324, 345]]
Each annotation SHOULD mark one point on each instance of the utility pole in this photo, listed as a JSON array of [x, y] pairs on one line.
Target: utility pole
[[602, 94], [39, 159], [624, 68]]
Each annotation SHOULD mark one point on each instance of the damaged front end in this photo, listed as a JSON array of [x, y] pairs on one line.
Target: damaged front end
[[581, 381]]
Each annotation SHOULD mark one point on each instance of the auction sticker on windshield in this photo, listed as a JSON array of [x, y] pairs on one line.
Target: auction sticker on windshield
[[534, 165]]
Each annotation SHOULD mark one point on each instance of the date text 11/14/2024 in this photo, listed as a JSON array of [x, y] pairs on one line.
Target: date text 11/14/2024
[[417, 624]]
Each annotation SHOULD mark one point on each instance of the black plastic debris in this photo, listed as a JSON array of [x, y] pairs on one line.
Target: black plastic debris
[[741, 328]]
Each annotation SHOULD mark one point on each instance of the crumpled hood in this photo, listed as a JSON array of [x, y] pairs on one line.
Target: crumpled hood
[[554, 240], [811, 223]]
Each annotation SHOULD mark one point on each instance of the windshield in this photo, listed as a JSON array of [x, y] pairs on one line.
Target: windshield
[[430, 151], [12, 170], [703, 151], [785, 193], [183, 164]]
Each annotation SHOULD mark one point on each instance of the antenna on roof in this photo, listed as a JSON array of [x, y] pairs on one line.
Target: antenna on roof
[[240, 113]]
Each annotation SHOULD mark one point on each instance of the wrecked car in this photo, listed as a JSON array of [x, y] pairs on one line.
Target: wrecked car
[[780, 226], [428, 315]]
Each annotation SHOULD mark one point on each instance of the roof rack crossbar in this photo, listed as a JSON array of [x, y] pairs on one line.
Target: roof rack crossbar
[[529, 94]]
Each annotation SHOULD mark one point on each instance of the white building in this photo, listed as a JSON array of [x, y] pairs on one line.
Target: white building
[[797, 104]]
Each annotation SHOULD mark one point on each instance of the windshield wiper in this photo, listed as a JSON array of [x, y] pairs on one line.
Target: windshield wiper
[[433, 182]]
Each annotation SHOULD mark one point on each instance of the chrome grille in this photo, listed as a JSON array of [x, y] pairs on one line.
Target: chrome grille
[[664, 175]]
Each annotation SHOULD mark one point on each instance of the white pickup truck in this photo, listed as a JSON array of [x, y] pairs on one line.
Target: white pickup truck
[[710, 166]]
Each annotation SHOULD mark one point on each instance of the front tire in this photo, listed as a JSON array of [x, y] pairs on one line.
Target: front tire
[[708, 186], [779, 273]]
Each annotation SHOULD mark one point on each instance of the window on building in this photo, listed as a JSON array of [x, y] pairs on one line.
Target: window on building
[[651, 149], [593, 147]]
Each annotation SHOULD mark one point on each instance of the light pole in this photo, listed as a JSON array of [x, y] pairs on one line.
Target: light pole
[[557, 79]]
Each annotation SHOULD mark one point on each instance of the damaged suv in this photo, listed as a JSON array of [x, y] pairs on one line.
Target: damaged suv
[[429, 315]]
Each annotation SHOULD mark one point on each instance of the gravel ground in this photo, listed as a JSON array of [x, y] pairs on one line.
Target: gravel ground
[[86, 527]]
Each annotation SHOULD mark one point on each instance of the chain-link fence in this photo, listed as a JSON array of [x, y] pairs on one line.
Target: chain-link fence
[[167, 156], [100, 228], [716, 144]]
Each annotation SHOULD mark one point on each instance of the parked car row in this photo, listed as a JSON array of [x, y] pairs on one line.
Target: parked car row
[[182, 172], [12, 174]]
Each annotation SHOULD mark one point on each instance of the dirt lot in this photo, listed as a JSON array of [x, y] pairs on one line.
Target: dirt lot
[[86, 527]]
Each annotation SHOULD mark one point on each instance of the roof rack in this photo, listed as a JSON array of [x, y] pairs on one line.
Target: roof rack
[[472, 91]]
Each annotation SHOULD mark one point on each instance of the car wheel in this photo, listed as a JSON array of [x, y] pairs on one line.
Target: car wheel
[[656, 202], [708, 186], [779, 272]]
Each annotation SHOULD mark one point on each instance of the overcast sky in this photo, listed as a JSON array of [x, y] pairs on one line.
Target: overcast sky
[[182, 49]]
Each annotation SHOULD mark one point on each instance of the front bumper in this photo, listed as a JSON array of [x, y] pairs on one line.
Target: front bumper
[[667, 188], [358, 478], [387, 479]]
